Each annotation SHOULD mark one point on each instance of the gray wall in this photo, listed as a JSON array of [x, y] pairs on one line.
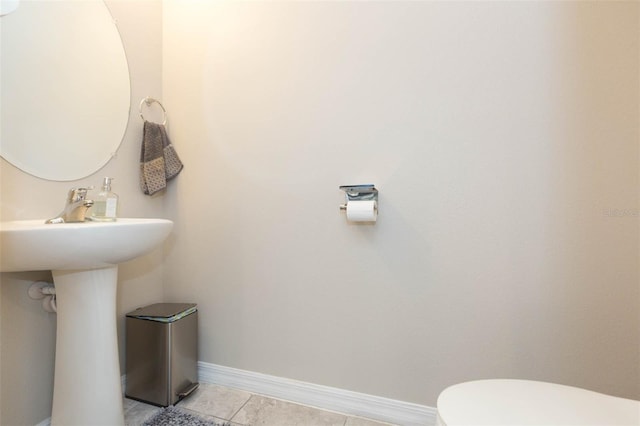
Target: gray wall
[[504, 140], [27, 333]]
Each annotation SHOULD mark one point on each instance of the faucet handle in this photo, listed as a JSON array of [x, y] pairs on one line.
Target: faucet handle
[[78, 194]]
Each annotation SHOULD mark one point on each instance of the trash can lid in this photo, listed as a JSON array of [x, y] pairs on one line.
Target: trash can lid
[[164, 312]]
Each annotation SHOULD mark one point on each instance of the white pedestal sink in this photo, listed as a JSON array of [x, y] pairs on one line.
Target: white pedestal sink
[[83, 258]]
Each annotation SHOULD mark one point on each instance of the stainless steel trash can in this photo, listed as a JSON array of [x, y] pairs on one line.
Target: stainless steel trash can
[[162, 352]]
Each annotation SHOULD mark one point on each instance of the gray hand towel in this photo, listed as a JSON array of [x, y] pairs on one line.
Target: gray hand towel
[[159, 161]]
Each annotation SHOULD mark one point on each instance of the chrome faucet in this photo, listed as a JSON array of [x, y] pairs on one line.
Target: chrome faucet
[[76, 207]]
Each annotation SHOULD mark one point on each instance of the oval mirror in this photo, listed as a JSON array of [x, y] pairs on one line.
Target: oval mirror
[[64, 88]]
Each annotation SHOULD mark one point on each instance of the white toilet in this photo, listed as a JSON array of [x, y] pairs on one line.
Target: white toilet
[[524, 402]]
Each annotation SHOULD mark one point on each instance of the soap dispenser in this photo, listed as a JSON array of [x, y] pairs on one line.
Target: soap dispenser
[[105, 204]]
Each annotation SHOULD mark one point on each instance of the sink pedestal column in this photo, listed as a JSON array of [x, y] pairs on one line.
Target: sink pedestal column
[[87, 389]]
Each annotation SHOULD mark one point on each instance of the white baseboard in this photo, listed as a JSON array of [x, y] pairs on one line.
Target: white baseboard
[[324, 397]]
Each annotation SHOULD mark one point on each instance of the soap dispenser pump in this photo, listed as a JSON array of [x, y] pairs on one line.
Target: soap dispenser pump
[[105, 205]]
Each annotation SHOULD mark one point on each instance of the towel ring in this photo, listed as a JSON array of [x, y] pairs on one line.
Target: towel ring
[[149, 100]]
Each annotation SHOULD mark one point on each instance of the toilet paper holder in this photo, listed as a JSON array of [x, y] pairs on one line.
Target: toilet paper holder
[[359, 193]]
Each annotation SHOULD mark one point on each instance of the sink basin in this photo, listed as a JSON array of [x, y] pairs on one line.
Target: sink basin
[[83, 259], [30, 245]]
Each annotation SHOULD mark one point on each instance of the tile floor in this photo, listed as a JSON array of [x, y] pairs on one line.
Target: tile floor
[[242, 408]]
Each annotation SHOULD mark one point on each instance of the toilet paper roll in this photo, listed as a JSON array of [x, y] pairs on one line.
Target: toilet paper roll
[[362, 211]]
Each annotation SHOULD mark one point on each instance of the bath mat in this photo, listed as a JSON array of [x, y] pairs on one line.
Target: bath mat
[[172, 416]]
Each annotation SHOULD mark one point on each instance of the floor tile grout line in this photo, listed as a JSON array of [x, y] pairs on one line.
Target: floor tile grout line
[[251, 395], [201, 414], [289, 402]]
